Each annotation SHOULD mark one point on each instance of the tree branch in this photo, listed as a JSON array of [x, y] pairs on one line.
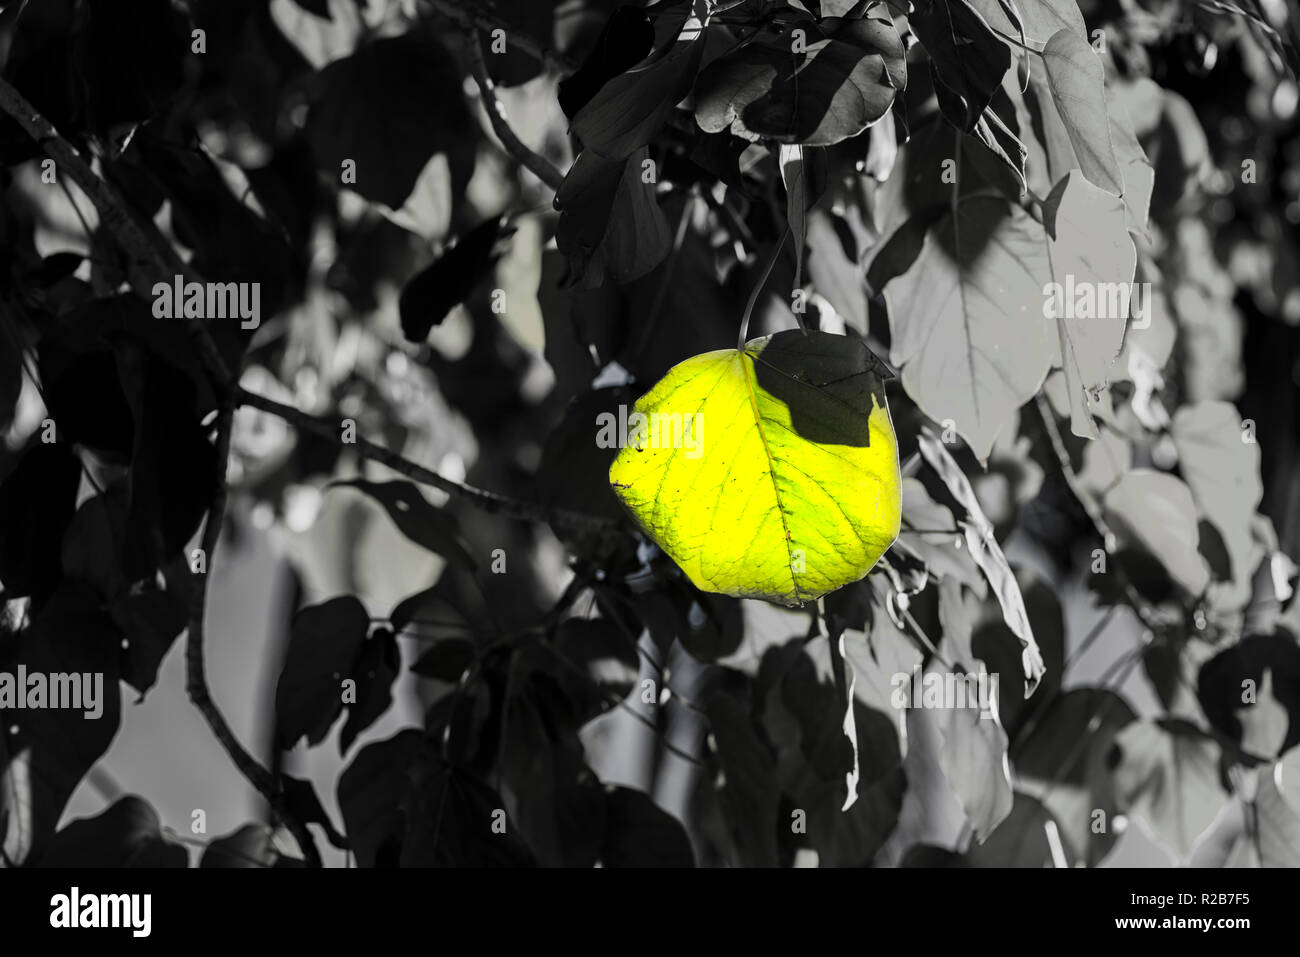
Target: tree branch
[[477, 19], [539, 167], [150, 258], [196, 684], [491, 502]]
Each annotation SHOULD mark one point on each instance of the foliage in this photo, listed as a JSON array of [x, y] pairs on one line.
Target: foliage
[[477, 229]]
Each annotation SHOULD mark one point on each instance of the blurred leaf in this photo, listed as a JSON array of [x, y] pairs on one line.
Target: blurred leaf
[[534, 18], [94, 545], [928, 856], [37, 502], [974, 760], [455, 606], [153, 37], [640, 834], [1277, 810], [39, 63], [84, 397], [595, 645], [1062, 760], [390, 107], [320, 8], [1021, 840], [128, 834], [150, 620], [1251, 692], [231, 237], [375, 669], [1169, 773], [1223, 471], [450, 279], [574, 470], [403, 805], [929, 810], [11, 368], [742, 782], [249, 846], [553, 795], [1154, 512], [997, 646], [813, 83], [302, 802], [53, 748], [324, 642], [446, 660], [712, 627], [173, 464]]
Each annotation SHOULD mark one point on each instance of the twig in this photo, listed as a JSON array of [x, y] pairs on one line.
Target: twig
[[478, 19], [496, 113], [150, 258], [491, 502], [196, 683]]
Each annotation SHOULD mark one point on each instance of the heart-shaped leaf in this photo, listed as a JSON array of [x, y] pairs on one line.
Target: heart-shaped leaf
[[1078, 85], [770, 472]]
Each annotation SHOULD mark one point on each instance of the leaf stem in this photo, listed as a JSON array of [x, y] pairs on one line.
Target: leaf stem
[[758, 288]]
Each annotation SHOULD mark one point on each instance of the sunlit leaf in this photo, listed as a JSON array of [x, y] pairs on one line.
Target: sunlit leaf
[[769, 473]]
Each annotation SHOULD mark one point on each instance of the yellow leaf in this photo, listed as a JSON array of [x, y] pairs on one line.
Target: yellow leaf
[[770, 472]]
